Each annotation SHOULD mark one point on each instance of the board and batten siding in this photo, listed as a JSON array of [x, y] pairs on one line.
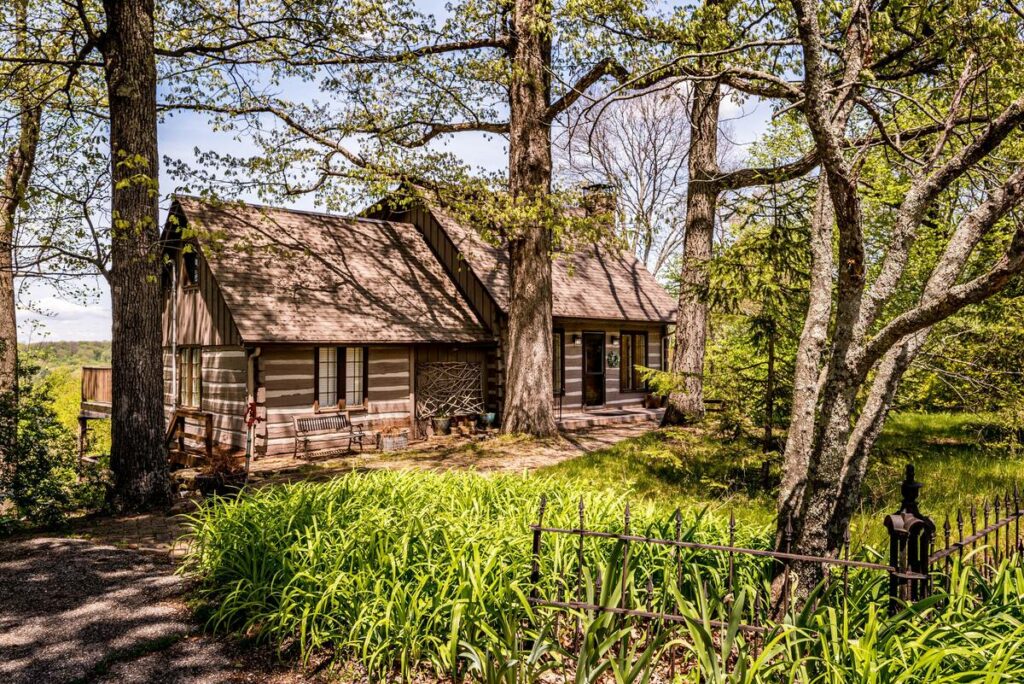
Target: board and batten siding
[[573, 399], [286, 390], [202, 316]]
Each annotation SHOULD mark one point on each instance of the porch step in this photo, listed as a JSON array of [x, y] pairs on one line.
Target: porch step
[[602, 417]]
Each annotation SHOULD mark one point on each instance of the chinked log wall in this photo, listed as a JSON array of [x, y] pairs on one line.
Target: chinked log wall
[[223, 391], [573, 398], [286, 381]]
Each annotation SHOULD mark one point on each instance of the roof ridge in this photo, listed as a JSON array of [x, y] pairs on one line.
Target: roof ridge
[[289, 210]]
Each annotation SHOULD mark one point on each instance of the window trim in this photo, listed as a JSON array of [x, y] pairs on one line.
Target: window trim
[[622, 359], [341, 370], [186, 281], [185, 363], [561, 333]]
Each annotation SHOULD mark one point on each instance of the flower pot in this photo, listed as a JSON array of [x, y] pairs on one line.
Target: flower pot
[[486, 421], [442, 425]]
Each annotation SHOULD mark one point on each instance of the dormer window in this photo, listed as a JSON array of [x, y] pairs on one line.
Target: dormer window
[[190, 267]]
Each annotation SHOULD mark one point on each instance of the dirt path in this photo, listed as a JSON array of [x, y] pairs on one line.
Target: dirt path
[[73, 611]]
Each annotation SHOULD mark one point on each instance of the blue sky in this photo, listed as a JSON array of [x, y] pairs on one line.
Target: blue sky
[[180, 135]]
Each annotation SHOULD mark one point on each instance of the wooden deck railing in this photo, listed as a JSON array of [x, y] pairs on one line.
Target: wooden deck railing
[[177, 434], [96, 385]]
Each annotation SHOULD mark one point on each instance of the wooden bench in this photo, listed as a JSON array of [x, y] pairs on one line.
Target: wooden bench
[[327, 424]]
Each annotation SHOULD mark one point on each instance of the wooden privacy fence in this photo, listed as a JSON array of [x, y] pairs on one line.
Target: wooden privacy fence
[[915, 566]]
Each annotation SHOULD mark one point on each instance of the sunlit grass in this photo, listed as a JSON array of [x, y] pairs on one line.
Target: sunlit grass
[[696, 467]]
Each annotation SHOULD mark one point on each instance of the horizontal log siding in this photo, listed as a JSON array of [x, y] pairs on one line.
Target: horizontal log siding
[[203, 317], [223, 393], [573, 399], [286, 391]]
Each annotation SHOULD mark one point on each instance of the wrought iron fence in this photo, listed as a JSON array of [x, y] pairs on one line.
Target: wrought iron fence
[[913, 569]]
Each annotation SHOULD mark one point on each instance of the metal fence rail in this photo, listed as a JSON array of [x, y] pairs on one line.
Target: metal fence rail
[[914, 564]]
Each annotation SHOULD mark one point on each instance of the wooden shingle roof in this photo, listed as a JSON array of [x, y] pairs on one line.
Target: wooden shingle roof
[[295, 276], [591, 282]]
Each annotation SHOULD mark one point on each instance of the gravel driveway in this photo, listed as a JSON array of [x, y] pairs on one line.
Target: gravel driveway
[[74, 611]]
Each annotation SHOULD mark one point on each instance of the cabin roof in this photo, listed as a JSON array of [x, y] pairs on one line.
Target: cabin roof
[[299, 276], [591, 282]]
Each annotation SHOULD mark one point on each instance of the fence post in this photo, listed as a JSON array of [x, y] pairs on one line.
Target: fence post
[[910, 540], [624, 597], [1016, 518], [535, 568]]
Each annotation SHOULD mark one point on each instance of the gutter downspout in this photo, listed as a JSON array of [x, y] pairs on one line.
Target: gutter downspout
[[174, 335], [250, 386]]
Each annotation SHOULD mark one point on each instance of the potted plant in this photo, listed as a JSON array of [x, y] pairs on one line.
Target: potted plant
[[442, 424]]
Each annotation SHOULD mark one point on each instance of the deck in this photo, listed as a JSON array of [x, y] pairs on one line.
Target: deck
[[97, 395]]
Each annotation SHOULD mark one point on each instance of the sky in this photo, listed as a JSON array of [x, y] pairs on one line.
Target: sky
[[55, 317]]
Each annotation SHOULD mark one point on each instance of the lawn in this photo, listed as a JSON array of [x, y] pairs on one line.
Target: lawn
[[956, 456]]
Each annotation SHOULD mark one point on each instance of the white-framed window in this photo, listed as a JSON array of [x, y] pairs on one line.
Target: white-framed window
[[633, 348], [190, 377], [340, 373]]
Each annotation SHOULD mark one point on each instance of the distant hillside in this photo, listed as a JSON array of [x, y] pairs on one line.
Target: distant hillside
[[52, 355]]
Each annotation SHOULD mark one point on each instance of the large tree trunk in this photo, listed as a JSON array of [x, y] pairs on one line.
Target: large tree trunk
[[701, 204], [19, 165], [808, 363], [20, 160], [17, 174], [138, 455], [528, 390]]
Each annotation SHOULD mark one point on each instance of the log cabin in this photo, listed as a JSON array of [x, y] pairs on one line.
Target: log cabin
[[392, 318]]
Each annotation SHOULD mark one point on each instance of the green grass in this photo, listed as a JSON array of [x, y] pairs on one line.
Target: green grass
[[678, 467], [397, 569], [694, 467]]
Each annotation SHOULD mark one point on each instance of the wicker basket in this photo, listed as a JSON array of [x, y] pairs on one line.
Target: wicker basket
[[394, 441]]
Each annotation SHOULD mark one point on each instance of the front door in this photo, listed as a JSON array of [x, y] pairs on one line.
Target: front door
[[593, 369]]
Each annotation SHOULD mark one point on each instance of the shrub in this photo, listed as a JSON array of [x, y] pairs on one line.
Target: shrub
[[41, 476]]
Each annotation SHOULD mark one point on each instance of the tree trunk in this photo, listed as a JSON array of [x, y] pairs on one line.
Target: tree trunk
[[17, 174], [769, 394], [138, 455], [528, 390], [701, 204], [809, 355]]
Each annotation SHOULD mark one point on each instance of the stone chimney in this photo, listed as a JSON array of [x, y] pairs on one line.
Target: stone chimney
[[599, 198]]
